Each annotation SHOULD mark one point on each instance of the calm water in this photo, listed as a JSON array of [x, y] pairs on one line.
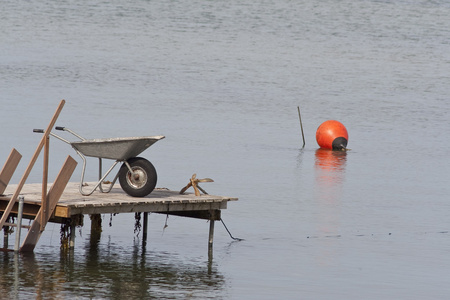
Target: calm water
[[222, 81]]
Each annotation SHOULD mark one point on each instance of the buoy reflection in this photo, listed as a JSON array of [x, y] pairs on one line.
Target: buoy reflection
[[330, 174], [329, 177], [330, 160]]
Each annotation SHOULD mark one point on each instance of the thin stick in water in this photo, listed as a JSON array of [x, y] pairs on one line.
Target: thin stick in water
[[301, 126]]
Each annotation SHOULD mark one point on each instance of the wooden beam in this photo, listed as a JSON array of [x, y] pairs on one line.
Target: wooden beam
[[53, 196], [8, 169], [198, 214], [98, 208], [30, 165], [29, 209], [45, 215], [62, 211], [15, 225]]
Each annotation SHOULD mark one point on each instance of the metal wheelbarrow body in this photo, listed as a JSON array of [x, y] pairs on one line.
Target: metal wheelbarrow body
[[115, 148], [137, 176]]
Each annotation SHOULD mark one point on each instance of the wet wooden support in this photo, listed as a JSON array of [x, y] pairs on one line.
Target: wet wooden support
[[6, 236], [145, 225], [72, 236]]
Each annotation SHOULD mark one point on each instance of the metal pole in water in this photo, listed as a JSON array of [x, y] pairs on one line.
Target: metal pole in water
[[301, 125], [211, 239], [19, 223]]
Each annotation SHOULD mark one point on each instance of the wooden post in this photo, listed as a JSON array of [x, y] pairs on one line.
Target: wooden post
[[44, 202], [72, 236], [30, 165], [96, 223], [144, 232], [96, 234], [6, 237]]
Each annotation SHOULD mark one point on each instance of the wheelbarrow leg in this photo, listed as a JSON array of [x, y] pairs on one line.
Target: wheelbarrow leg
[[100, 175], [99, 182]]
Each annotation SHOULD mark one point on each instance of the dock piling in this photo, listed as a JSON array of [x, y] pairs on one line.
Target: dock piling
[[144, 230], [72, 236], [5, 237]]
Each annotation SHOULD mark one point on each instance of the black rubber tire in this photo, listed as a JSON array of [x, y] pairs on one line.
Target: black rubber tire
[[144, 184]]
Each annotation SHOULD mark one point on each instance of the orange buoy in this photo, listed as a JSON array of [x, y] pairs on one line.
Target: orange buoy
[[332, 134]]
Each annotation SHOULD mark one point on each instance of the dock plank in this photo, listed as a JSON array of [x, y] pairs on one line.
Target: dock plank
[[117, 201]]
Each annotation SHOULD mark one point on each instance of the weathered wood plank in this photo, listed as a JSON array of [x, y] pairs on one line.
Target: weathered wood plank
[[45, 205], [145, 207], [29, 209], [62, 211], [8, 169], [213, 215]]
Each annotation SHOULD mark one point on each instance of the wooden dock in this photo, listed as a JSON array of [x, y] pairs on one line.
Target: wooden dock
[[161, 200], [64, 202]]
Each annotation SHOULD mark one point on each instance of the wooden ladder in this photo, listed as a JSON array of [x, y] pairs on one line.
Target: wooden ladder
[[49, 200]]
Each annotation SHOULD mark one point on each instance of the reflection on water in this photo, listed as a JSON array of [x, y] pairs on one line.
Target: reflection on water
[[106, 271], [329, 177], [331, 160], [330, 174]]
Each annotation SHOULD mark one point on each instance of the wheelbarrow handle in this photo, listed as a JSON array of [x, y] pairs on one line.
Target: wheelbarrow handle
[[70, 131], [52, 134]]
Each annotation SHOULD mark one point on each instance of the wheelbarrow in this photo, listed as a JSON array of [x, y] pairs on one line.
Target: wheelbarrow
[[137, 176]]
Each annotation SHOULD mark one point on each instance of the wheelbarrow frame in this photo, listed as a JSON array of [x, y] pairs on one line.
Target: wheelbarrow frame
[[128, 148]]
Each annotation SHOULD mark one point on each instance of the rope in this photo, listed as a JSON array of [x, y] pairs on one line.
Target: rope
[[236, 239]]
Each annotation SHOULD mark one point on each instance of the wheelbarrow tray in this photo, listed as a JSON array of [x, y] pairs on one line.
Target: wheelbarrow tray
[[115, 148]]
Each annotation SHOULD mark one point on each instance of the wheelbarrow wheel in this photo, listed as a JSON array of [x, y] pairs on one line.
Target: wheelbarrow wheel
[[142, 181]]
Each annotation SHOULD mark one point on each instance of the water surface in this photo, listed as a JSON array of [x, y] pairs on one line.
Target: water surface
[[222, 81]]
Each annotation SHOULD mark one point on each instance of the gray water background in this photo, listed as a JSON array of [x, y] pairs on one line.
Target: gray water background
[[222, 81]]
